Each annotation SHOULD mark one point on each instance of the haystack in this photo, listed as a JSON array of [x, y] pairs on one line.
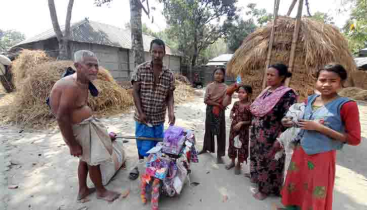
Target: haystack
[[354, 93], [360, 79], [26, 61], [29, 109], [317, 45], [183, 79], [183, 92]]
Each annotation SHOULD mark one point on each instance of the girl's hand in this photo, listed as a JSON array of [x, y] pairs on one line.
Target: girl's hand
[[238, 126], [310, 125], [276, 147], [231, 116], [219, 105], [287, 122]]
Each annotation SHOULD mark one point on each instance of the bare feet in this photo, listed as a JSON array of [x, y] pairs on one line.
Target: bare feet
[[230, 166], [220, 160], [202, 152], [83, 193], [237, 170], [260, 196], [107, 195], [248, 175]]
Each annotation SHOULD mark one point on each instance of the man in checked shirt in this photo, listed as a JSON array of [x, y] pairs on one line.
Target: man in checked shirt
[[153, 85]]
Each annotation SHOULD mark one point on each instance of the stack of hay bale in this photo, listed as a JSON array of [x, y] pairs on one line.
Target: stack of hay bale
[[35, 74], [354, 93], [318, 44], [183, 93]]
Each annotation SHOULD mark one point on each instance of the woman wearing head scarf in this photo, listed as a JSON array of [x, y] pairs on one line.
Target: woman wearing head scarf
[[268, 109]]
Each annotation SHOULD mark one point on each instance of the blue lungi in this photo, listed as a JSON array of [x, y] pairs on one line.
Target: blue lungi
[[142, 130]]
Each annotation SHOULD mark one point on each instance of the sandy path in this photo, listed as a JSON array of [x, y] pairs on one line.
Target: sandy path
[[40, 164]]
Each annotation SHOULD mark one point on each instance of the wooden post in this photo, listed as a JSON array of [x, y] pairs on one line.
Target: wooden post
[[270, 48], [291, 7], [294, 40]]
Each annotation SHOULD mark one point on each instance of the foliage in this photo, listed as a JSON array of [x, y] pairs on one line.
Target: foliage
[[356, 27], [9, 38], [239, 29], [238, 32], [196, 24], [323, 17], [260, 16], [214, 50]]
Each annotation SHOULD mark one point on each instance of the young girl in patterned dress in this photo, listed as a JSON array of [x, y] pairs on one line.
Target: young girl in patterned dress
[[241, 120]]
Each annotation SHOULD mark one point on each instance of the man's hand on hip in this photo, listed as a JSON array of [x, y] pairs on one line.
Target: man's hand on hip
[[143, 118]]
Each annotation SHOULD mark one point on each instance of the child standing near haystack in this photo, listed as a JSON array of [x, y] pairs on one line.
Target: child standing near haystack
[[329, 122], [239, 133], [217, 98]]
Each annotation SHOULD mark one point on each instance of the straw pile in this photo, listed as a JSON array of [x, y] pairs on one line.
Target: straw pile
[[317, 45], [183, 92], [26, 61], [354, 93], [360, 79], [182, 79], [28, 107]]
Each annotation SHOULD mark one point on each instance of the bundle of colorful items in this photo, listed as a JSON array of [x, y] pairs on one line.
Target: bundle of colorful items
[[168, 165]]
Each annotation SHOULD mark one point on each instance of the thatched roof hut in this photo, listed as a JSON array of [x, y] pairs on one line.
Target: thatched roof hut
[[317, 45]]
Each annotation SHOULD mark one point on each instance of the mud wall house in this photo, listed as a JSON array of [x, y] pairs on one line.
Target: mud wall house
[[111, 44]]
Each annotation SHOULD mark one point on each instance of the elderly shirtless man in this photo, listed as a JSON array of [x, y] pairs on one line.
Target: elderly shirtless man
[[85, 136]]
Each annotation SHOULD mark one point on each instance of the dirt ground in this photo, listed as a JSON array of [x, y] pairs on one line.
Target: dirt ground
[[38, 162]]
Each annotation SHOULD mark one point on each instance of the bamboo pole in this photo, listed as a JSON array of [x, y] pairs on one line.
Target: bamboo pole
[[291, 7], [268, 58], [294, 40]]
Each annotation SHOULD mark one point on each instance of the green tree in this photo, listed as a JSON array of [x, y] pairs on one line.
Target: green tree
[[196, 24], [323, 17], [63, 39], [238, 31], [9, 38], [355, 28], [214, 50], [260, 16]]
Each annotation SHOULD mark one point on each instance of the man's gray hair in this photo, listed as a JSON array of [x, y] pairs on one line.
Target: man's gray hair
[[81, 54]]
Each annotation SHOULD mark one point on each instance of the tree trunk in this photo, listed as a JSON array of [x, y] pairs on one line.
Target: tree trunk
[[194, 56], [64, 53], [136, 32], [63, 40], [66, 38]]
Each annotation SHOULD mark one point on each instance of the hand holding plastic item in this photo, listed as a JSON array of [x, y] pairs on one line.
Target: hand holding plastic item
[[232, 88]]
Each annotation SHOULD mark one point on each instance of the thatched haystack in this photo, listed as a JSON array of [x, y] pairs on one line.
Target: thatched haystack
[[183, 79], [317, 45], [28, 107], [359, 79], [183, 92], [354, 93], [26, 61]]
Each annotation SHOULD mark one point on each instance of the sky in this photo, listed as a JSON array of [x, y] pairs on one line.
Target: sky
[[32, 17]]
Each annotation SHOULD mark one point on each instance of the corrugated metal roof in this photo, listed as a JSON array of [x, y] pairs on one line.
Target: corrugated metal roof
[[216, 63], [361, 61], [98, 33], [222, 58]]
